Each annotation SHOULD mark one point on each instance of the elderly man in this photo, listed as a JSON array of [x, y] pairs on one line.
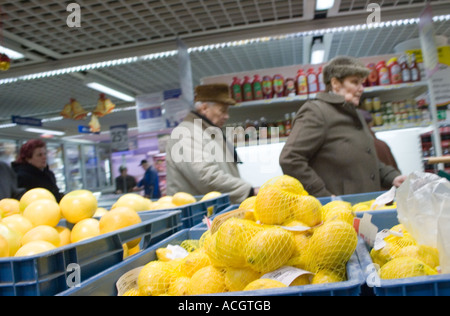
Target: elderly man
[[199, 159]]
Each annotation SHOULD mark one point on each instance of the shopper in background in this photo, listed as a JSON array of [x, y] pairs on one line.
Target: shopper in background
[[32, 169], [125, 183], [330, 149], [199, 159], [383, 150], [150, 181], [8, 183]]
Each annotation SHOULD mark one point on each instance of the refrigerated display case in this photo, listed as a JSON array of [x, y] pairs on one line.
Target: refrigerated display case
[[55, 159]]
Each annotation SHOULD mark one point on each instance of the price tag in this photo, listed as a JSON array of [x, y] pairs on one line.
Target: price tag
[[286, 274], [384, 199], [366, 229], [119, 137], [128, 281]]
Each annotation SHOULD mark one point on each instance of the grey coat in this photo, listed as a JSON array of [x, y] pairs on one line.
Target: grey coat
[[331, 151], [199, 162]]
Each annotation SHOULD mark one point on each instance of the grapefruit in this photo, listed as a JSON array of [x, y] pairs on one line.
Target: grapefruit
[[42, 232], [85, 229], [10, 207], [13, 237], [35, 195], [43, 212], [18, 223], [64, 235], [78, 205], [34, 248], [183, 198], [119, 218], [4, 247]]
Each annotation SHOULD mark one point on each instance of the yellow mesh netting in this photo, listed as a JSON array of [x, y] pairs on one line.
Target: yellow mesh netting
[[403, 257], [239, 251]]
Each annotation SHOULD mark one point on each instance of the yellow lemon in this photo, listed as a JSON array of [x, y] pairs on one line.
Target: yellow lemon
[[85, 229], [155, 278], [308, 210], [35, 195], [269, 249], [165, 199], [193, 262], [34, 248], [42, 232], [405, 267], [179, 286], [207, 280], [327, 276], [43, 212], [248, 203], [236, 279], [263, 284]]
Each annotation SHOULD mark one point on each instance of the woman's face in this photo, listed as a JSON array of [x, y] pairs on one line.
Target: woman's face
[[350, 87], [39, 158]]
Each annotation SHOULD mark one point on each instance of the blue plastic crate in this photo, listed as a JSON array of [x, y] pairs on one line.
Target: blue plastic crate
[[193, 214], [104, 284], [225, 210], [352, 198], [435, 285], [46, 274]]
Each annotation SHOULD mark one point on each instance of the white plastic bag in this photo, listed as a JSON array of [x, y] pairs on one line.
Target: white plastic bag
[[423, 205]]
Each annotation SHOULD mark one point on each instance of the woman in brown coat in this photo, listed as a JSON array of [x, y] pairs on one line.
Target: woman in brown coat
[[330, 148]]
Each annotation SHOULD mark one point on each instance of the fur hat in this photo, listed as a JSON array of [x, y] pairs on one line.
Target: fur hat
[[218, 92], [343, 66]]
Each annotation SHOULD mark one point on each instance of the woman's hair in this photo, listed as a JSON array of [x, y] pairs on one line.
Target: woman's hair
[[27, 149]]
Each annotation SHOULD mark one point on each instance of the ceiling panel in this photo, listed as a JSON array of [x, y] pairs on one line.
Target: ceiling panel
[[114, 28]]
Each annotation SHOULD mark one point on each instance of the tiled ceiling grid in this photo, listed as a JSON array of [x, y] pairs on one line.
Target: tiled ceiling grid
[[48, 95], [116, 23]]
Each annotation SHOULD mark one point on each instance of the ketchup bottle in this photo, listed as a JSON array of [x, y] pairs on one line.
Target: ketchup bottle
[[236, 89], [257, 88], [312, 81], [406, 72], [267, 87], [302, 83], [247, 89], [383, 74], [415, 72], [278, 85], [395, 73]]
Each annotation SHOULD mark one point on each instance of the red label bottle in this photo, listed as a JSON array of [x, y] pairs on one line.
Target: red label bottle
[[236, 89]]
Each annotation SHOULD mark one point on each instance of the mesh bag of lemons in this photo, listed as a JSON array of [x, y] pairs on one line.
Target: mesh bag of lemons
[[281, 227], [402, 257]]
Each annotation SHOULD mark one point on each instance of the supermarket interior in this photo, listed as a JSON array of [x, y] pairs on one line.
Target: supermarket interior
[[104, 84]]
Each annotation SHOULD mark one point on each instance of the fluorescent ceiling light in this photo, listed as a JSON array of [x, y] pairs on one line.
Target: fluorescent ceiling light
[[109, 91], [44, 131], [317, 52], [324, 4], [11, 53]]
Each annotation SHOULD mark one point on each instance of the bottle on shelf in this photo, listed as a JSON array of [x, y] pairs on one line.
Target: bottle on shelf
[[236, 89], [322, 86], [257, 88], [289, 87], [414, 68], [372, 79], [383, 73], [267, 87], [395, 73], [247, 89], [312, 81], [278, 86], [263, 128], [302, 83], [281, 130], [287, 124], [406, 72]]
